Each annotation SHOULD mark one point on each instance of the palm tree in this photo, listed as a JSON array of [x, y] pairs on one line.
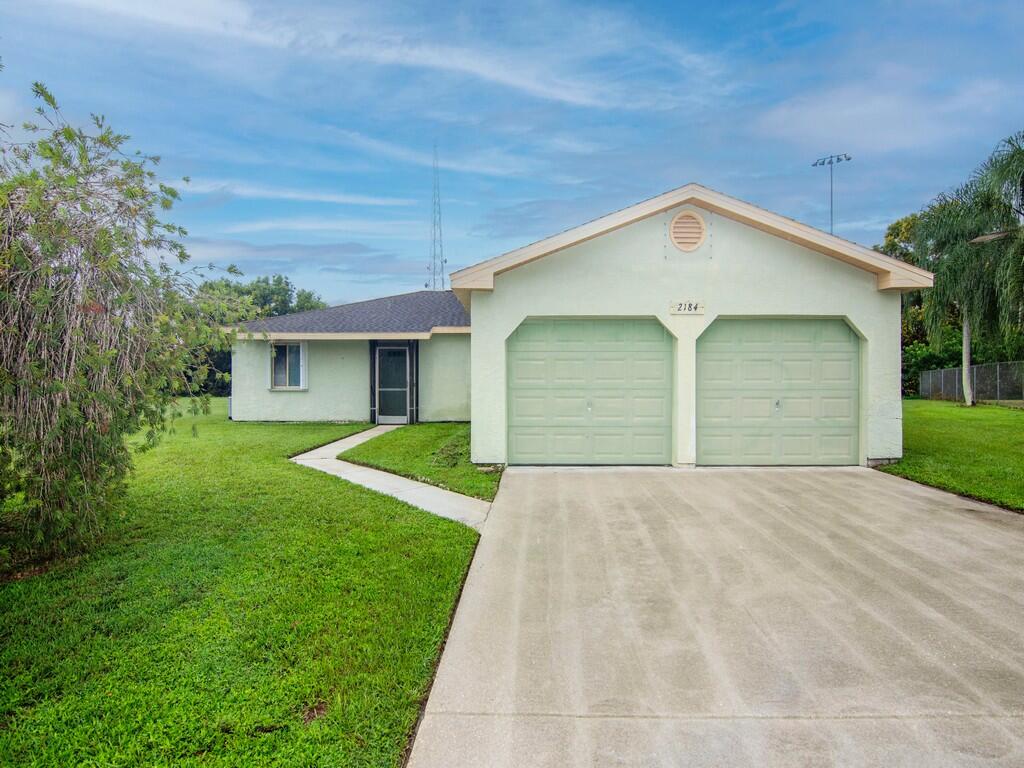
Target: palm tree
[[965, 284], [1002, 178]]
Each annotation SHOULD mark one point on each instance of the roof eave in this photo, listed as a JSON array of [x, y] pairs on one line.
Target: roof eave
[[892, 273], [247, 335]]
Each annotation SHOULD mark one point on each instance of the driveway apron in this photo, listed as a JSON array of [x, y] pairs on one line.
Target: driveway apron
[[733, 617]]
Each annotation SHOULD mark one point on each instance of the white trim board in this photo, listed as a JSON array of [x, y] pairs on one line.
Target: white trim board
[[892, 274]]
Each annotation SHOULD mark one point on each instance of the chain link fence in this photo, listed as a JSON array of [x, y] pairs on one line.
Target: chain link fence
[[1001, 383]]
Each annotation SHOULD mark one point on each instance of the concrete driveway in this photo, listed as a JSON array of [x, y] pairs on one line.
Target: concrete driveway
[[795, 617]]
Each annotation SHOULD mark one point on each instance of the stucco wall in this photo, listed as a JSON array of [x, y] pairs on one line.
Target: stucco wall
[[738, 271], [337, 384], [444, 378]]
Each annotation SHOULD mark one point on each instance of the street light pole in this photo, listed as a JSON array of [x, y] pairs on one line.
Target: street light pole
[[831, 199], [831, 161]]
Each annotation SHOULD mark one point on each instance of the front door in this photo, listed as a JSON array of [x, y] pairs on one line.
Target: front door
[[392, 385]]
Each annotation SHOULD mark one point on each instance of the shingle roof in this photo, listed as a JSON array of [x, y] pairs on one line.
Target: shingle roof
[[415, 312]]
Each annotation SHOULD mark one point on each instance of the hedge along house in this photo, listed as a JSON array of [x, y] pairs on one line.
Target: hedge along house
[[691, 328], [395, 360]]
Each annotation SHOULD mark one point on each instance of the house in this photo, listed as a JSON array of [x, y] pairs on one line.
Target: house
[[691, 328]]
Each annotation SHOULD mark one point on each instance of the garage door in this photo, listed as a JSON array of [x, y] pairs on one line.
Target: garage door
[[778, 392], [590, 391]]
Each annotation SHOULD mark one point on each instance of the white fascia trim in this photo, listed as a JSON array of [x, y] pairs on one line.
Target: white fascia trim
[[893, 274]]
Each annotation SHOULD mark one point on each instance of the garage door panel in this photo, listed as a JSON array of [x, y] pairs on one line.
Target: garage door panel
[[795, 448], [717, 370], [842, 408], [777, 391], [567, 409], [532, 371], [527, 409], [837, 445], [798, 408], [753, 409], [569, 371], [570, 334], [651, 447], [798, 370], [609, 409], [818, 408], [590, 391], [716, 446], [755, 447], [837, 371], [610, 369], [651, 407], [649, 370], [757, 371], [790, 334], [528, 443], [836, 335], [748, 334], [717, 411]]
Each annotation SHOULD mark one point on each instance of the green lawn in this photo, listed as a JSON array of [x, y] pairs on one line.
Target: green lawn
[[435, 453], [245, 611], [977, 452]]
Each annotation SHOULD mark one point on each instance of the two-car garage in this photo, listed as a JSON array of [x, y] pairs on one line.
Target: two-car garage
[[691, 328], [770, 391]]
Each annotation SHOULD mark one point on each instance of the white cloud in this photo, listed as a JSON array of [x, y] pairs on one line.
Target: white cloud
[[561, 53], [888, 114], [325, 266], [232, 18], [490, 163], [396, 230], [263, 192]]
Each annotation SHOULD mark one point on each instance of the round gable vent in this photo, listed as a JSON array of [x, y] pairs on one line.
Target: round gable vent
[[687, 231]]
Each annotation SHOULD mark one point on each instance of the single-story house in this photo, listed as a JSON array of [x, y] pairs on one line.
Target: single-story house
[[691, 328]]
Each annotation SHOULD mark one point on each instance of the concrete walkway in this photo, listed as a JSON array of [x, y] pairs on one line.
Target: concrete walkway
[[435, 500], [699, 618]]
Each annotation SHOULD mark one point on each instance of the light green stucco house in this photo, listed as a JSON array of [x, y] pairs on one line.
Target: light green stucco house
[[691, 328]]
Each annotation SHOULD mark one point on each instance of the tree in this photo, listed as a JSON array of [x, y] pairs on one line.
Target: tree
[[101, 325], [1002, 179], [271, 296], [899, 238], [964, 270], [899, 243], [307, 300]]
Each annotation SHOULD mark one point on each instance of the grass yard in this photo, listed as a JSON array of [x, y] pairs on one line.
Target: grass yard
[[977, 452], [435, 453], [245, 611]]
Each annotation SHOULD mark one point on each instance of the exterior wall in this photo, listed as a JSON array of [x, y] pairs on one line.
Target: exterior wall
[[337, 384], [444, 377], [738, 271]]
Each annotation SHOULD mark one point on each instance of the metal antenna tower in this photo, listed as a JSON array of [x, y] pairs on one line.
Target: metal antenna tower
[[437, 259], [831, 161]]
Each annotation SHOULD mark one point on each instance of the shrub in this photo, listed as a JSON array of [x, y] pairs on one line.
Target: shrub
[[101, 327]]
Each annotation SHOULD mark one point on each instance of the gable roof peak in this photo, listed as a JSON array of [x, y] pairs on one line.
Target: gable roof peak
[[892, 274]]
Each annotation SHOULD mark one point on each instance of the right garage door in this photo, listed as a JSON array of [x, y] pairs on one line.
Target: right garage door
[[772, 391]]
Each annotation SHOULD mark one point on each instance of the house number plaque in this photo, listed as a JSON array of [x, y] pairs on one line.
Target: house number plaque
[[687, 307]]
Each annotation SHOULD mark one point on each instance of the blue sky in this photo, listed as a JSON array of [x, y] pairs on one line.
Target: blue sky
[[307, 128]]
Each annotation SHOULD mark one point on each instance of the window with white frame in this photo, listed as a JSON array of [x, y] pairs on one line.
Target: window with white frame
[[287, 366]]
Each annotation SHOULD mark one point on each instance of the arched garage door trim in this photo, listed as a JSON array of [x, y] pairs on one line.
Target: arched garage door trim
[[590, 390], [778, 391]]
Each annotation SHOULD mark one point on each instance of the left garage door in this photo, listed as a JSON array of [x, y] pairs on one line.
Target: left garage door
[[590, 391]]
